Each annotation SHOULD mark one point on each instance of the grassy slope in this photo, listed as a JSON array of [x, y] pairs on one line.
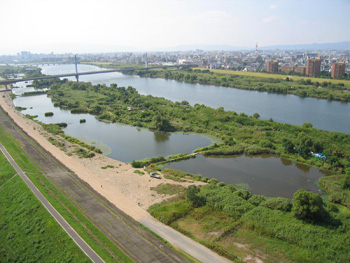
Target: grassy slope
[[28, 233], [94, 237]]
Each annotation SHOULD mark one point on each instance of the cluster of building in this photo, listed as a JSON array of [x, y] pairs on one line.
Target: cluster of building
[[312, 68], [304, 62]]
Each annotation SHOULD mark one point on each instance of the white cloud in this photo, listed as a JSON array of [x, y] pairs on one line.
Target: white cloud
[[273, 6], [270, 19]]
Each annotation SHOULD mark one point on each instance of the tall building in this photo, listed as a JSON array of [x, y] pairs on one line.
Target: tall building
[[272, 66], [296, 69], [338, 70], [313, 67]]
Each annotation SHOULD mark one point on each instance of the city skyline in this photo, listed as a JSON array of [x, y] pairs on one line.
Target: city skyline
[[107, 26]]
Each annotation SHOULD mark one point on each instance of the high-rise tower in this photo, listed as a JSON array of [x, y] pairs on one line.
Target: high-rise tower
[[313, 67], [338, 70]]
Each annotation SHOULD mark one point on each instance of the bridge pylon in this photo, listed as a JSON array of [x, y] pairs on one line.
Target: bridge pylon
[[146, 62], [76, 68]]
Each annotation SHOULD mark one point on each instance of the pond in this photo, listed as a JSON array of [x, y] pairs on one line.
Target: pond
[[122, 142], [266, 175]]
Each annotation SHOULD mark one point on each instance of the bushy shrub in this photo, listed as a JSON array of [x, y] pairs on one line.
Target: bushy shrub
[[256, 199], [62, 124], [230, 187], [140, 164], [212, 181], [338, 197], [254, 150], [278, 203], [48, 114], [89, 155], [236, 206], [307, 205], [243, 194], [170, 212], [332, 207], [204, 179]]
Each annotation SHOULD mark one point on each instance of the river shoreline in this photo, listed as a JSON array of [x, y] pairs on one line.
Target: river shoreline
[[129, 191]]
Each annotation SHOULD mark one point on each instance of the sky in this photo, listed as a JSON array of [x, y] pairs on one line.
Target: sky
[[83, 26]]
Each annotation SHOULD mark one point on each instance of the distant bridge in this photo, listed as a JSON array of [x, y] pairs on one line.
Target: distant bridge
[[77, 74]]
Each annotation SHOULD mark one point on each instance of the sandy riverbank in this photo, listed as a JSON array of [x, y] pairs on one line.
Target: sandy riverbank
[[120, 185]]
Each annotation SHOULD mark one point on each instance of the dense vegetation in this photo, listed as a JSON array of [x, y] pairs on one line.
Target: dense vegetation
[[239, 133], [303, 229], [304, 87]]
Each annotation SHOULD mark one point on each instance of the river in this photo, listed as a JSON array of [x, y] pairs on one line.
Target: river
[[323, 114], [269, 176]]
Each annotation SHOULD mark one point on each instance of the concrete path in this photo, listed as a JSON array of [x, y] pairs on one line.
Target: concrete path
[[179, 240], [60, 220]]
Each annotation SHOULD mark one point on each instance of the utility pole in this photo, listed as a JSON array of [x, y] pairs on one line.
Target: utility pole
[[76, 68]]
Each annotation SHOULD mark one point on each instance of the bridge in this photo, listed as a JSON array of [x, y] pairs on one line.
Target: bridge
[[77, 74]]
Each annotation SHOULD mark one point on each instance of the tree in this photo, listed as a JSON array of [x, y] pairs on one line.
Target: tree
[[193, 197], [288, 146], [243, 193], [308, 206], [307, 125], [161, 123], [256, 115]]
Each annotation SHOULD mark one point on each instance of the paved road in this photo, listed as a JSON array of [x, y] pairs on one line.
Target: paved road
[[63, 223], [191, 247]]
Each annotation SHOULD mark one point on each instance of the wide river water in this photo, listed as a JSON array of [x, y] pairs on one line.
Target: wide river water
[[269, 176], [323, 114]]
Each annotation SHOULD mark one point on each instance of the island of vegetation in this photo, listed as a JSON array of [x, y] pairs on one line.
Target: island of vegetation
[[306, 229]]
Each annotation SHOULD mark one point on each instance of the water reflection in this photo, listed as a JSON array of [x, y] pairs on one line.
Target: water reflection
[[161, 136], [286, 162], [303, 167]]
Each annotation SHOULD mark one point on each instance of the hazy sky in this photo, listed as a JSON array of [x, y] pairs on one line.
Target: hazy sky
[[96, 25]]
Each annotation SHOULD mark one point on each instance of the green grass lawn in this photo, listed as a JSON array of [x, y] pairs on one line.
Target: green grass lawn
[[28, 233]]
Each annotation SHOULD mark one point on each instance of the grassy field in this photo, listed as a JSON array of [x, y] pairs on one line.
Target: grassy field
[[28, 233], [276, 76], [86, 229]]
